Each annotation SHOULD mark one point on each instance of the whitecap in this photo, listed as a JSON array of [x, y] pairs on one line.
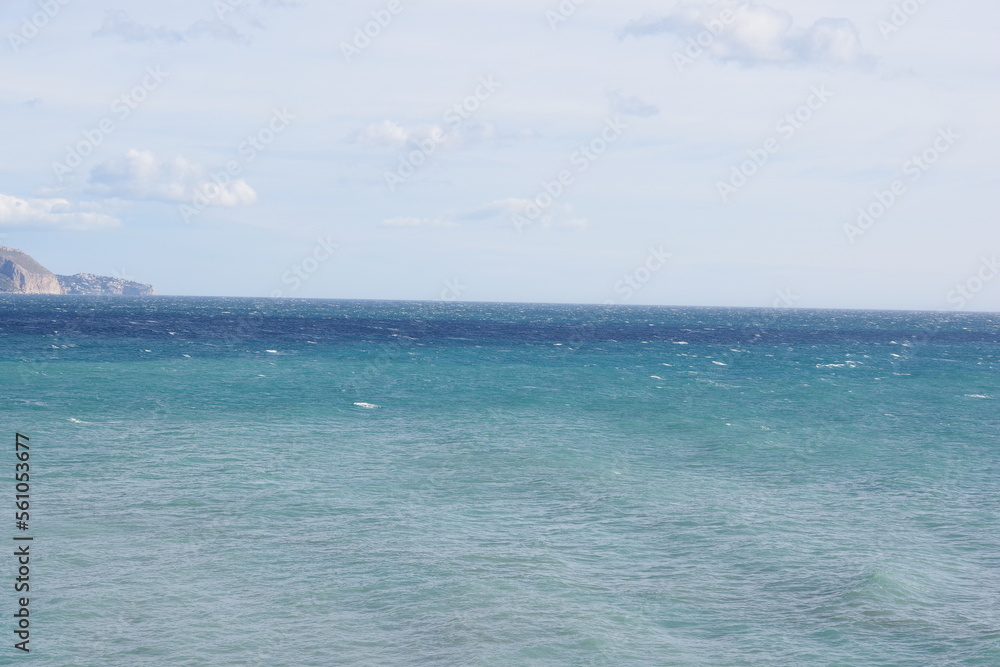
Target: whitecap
[[369, 406], [77, 421]]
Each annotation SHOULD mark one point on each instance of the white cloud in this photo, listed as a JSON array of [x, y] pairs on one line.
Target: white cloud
[[751, 34], [386, 133], [142, 176], [496, 208], [833, 40], [118, 23], [555, 215], [390, 134], [52, 214], [630, 106], [418, 222]]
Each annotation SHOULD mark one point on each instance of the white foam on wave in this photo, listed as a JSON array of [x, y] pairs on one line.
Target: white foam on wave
[[849, 363], [368, 406], [78, 421]]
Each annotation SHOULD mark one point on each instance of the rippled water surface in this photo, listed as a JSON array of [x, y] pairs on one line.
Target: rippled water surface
[[241, 482]]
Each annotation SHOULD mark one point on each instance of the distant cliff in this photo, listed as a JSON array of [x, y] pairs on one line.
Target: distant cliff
[[20, 274], [88, 283]]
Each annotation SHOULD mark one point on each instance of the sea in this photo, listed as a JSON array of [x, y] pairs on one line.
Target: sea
[[218, 481]]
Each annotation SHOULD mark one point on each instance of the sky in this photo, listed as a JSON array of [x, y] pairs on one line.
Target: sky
[[782, 154]]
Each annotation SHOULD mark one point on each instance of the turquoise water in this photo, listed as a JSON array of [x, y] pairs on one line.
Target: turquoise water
[[240, 482]]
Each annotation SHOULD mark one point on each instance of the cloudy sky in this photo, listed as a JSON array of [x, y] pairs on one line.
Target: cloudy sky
[[809, 154]]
